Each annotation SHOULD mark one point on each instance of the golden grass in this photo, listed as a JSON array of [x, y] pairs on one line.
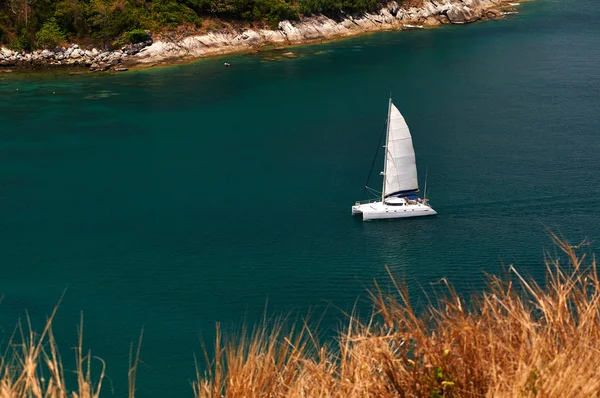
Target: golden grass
[[516, 339], [31, 366]]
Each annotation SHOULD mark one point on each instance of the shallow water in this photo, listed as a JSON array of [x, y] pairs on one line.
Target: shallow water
[[178, 197]]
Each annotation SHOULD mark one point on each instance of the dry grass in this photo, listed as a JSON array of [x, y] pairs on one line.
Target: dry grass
[[31, 366], [517, 339]]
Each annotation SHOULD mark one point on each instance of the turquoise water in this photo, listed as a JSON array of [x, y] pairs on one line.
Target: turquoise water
[[175, 198]]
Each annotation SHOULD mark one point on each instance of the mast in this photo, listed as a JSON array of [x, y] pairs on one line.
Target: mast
[[425, 192], [387, 136]]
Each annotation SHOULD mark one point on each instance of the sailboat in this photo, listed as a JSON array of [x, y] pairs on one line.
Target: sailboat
[[400, 193]]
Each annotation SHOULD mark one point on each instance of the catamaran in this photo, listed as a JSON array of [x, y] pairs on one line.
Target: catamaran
[[400, 193]]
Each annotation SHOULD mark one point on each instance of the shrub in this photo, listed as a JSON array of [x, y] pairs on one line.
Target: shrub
[[280, 11], [50, 34], [21, 43], [171, 14], [136, 36]]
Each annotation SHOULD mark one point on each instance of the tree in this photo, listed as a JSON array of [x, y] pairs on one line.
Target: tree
[[50, 34], [70, 14], [21, 8], [100, 20]]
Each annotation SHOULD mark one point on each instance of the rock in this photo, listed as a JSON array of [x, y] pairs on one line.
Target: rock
[[444, 19], [431, 21], [132, 49], [114, 58], [455, 15], [102, 56], [461, 15], [494, 13], [395, 15], [250, 36]]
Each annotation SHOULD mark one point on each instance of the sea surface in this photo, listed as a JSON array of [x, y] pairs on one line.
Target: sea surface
[[171, 199]]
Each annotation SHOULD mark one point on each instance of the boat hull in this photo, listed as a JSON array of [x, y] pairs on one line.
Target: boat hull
[[382, 211]]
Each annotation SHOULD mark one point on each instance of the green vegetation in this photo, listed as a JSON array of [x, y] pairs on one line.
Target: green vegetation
[[46, 23], [22, 42], [516, 339], [50, 34], [137, 36]]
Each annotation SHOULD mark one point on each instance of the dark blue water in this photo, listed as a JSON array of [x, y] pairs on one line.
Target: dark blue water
[[175, 198]]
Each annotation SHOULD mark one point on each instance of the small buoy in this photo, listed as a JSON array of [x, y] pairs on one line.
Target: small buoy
[[17, 89], [54, 92]]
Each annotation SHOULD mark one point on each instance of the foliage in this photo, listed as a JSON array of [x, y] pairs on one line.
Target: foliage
[[105, 21], [136, 36], [22, 43], [337, 8], [50, 34]]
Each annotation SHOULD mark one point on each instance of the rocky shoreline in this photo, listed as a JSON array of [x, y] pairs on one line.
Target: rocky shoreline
[[308, 30], [73, 56]]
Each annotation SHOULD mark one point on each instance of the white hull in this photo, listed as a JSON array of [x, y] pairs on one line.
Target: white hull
[[399, 197], [382, 211]]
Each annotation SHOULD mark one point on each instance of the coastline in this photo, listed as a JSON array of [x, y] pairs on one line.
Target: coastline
[[315, 29]]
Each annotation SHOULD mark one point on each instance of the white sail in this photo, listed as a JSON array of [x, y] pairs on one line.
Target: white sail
[[400, 171]]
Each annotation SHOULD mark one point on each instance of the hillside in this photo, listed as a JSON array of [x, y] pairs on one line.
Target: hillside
[[30, 24], [128, 35]]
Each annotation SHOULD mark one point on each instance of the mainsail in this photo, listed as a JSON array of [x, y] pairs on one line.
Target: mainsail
[[400, 168]]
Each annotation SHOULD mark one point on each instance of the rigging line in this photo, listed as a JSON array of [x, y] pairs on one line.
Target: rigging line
[[374, 192], [374, 158]]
